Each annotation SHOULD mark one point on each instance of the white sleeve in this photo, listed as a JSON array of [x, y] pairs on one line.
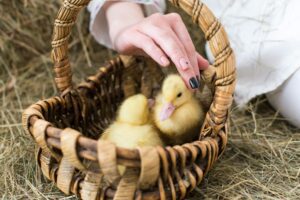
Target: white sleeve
[[98, 22]]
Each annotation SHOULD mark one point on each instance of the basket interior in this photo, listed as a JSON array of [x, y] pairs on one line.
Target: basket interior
[[93, 104]]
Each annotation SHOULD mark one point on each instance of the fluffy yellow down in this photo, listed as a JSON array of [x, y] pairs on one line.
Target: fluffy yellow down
[[133, 127], [184, 123]]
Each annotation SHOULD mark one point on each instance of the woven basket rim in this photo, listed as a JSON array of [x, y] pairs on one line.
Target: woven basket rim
[[84, 141]]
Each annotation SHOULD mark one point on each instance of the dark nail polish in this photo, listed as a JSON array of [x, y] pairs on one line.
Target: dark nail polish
[[194, 83]]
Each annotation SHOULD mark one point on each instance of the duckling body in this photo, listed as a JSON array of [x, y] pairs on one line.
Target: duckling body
[[133, 126], [132, 136], [177, 113]]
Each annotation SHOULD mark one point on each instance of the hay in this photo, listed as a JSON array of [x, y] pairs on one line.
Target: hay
[[262, 157]]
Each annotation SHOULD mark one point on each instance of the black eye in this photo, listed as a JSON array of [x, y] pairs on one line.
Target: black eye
[[179, 94]]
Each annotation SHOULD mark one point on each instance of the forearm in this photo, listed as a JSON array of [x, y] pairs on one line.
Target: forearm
[[120, 15]]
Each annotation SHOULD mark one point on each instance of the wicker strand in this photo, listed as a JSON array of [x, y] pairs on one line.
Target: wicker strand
[[65, 175], [197, 6], [27, 114], [149, 167], [68, 142], [39, 133], [128, 185], [90, 189], [107, 157], [45, 159]]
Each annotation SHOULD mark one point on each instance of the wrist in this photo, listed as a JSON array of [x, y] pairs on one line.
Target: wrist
[[118, 18]]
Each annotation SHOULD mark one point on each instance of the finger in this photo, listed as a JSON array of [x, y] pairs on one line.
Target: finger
[[202, 62], [183, 35], [170, 44], [149, 47]]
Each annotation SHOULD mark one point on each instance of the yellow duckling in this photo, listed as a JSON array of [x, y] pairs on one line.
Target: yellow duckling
[[133, 126], [177, 113]]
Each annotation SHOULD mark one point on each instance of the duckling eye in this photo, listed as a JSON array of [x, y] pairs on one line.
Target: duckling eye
[[179, 94]]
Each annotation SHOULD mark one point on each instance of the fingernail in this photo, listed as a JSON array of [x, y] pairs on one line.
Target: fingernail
[[184, 64], [164, 61], [194, 83]]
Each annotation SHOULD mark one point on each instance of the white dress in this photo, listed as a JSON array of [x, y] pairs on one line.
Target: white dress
[[265, 35]]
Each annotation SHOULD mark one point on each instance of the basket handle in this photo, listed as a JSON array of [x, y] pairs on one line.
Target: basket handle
[[63, 24], [200, 14]]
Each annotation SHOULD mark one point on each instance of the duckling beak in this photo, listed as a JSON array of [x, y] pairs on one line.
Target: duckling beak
[[167, 111]]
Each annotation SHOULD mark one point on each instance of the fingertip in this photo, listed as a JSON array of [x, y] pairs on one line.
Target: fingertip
[[202, 62], [187, 84], [205, 63], [192, 83], [164, 61], [189, 77]]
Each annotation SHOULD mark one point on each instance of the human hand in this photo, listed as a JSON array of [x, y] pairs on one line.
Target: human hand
[[162, 37]]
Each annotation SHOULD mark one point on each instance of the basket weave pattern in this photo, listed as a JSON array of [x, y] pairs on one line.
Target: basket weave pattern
[[66, 127]]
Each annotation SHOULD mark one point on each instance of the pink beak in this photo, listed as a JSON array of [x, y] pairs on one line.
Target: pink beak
[[167, 111]]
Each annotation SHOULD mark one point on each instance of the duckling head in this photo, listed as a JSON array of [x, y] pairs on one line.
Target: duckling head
[[134, 110], [174, 94]]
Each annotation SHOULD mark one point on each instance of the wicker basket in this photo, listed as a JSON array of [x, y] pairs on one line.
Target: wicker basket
[[66, 127]]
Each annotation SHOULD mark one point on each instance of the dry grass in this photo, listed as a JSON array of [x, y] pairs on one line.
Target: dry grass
[[263, 154]]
